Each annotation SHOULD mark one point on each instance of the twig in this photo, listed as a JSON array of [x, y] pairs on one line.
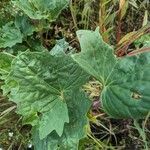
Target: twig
[[139, 51]]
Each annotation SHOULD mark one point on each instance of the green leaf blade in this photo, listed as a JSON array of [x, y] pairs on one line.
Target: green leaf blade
[[39, 9], [93, 46], [25, 25], [125, 80], [60, 110], [10, 35], [38, 83], [78, 106]]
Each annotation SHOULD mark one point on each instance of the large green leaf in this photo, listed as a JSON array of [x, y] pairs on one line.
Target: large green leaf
[[25, 25], [78, 106], [38, 83], [125, 80], [10, 35], [41, 9]]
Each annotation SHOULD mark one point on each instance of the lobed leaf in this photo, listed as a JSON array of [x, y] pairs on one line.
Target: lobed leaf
[[125, 80], [41, 9], [10, 35], [25, 25], [38, 83], [78, 106]]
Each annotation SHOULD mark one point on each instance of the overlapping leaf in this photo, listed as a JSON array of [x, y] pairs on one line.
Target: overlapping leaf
[[25, 25], [31, 44], [38, 83], [10, 35], [125, 80], [41, 9], [61, 48], [14, 33], [78, 106]]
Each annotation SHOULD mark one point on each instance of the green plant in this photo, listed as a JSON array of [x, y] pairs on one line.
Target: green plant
[[123, 79], [54, 103], [46, 84]]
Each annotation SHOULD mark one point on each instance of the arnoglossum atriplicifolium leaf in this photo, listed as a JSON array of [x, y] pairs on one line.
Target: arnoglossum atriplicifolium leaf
[[38, 83], [78, 106], [42, 9], [125, 81]]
